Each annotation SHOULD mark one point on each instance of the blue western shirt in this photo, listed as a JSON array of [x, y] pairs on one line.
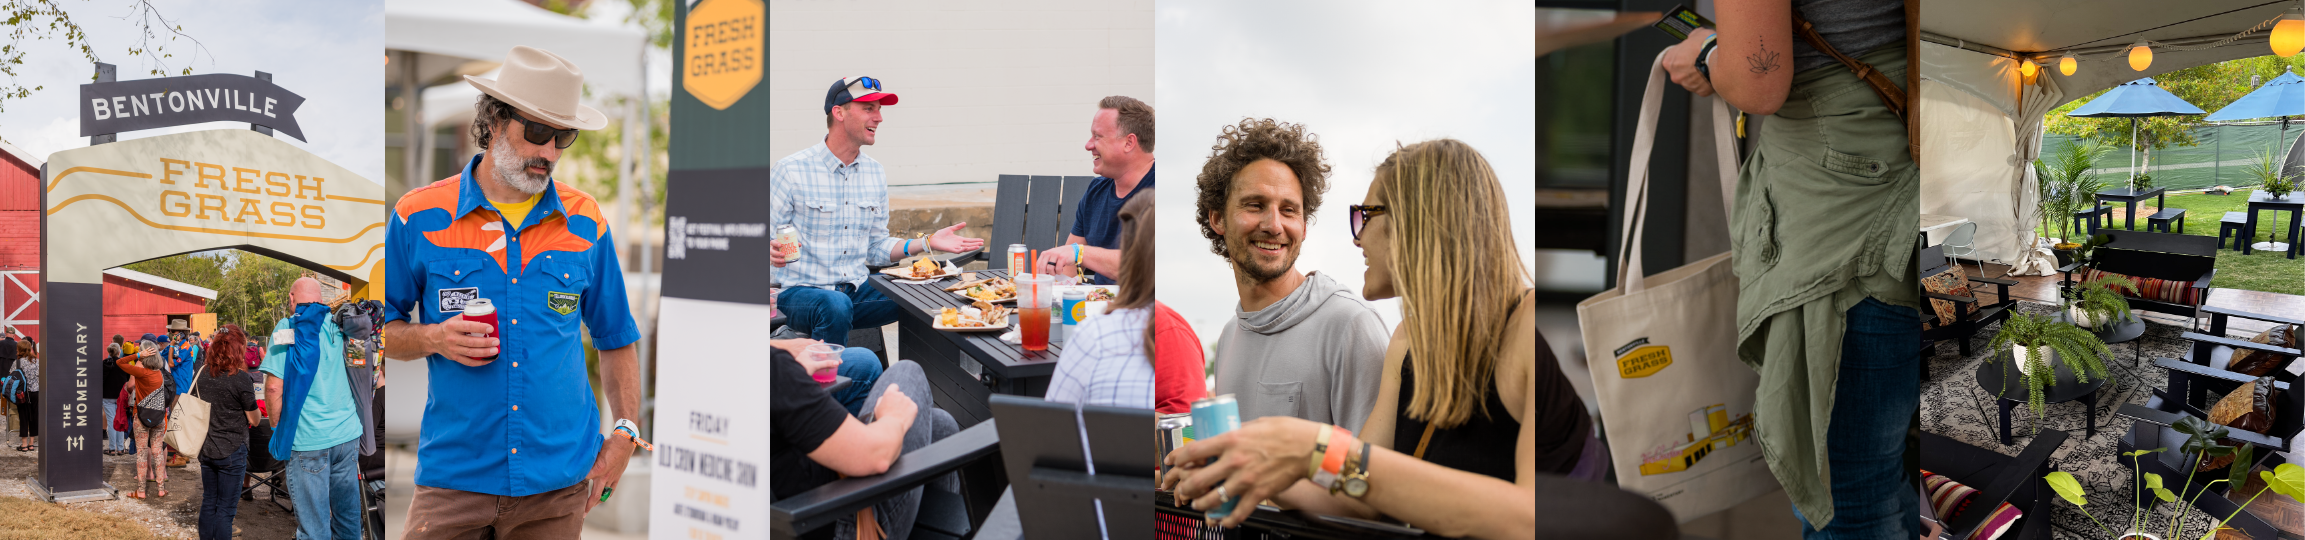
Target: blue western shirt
[[527, 422]]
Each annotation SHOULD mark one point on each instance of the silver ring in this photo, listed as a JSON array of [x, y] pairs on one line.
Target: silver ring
[[1222, 496]]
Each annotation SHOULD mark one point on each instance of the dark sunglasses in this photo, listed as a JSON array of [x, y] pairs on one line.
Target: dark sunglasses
[[540, 133], [1361, 215]]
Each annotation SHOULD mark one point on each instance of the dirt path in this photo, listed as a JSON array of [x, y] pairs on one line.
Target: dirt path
[[172, 517]]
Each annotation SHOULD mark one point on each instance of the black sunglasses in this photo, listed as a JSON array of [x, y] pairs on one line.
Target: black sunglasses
[[540, 133], [1361, 215]]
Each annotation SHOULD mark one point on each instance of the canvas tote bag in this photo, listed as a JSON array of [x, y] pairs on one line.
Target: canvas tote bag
[[1675, 402], [188, 422]]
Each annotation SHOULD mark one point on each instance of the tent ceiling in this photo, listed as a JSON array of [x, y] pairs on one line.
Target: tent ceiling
[[459, 31], [2067, 24]]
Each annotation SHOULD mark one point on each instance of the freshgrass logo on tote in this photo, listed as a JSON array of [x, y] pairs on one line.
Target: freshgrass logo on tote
[[1640, 359]]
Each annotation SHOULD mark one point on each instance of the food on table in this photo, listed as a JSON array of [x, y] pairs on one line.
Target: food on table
[[980, 315], [1100, 294], [926, 268]]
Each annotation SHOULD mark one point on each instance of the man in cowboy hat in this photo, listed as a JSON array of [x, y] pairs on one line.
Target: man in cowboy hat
[[512, 440], [838, 198]]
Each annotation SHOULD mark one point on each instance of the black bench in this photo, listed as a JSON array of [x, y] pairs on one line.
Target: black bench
[[2230, 227], [2174, 257], [2088, 220], [2160, 220]]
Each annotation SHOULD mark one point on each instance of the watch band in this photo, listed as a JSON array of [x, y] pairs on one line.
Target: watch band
[[1356, 482]]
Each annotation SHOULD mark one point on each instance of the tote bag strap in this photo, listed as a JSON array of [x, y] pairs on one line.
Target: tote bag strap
[[1631, 276]]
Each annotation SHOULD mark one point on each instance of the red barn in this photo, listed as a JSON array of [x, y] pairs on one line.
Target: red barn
[[20, 238], [136, 302]]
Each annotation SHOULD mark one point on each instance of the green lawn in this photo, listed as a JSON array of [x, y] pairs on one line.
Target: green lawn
[[2261, 271]]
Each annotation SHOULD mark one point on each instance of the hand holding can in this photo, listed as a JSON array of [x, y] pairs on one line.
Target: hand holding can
[[481, 310]]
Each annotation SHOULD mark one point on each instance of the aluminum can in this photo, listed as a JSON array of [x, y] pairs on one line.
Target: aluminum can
[[484, 311], [1213, 416], [1019, 260], [1168, 435]]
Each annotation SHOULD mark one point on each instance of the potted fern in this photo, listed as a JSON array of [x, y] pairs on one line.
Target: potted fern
[[2098, 304], [2201, 442], [2034, 342]]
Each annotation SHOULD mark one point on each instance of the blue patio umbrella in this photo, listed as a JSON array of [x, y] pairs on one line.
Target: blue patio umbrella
[[2135, 99], [2284, 96]]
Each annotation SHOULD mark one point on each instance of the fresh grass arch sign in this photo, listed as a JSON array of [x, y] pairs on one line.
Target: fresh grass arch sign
[[116, 203]]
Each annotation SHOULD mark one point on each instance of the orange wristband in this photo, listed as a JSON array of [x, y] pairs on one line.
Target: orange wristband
[[1333, 463]]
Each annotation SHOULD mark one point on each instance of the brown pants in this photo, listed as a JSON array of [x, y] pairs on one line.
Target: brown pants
[[447, 514]]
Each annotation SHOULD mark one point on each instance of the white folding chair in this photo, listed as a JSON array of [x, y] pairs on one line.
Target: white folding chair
[[1962, 244]]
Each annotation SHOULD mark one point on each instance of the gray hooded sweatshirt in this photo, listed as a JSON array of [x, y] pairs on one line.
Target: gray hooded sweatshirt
[[1317, 354]]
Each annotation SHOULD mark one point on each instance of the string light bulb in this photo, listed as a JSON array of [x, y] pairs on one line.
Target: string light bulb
[[2067, 64], [2288, 35], [2140, 56], [2028, 67]]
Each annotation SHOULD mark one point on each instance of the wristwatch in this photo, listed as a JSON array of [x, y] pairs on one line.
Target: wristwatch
[[1356, 481]]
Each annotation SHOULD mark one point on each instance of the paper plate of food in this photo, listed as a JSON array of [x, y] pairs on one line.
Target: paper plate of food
[[1096, 293], [922, 269], [995, 290], [981, 317]]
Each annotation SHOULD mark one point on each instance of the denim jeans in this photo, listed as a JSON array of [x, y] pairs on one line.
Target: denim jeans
[[113, 440], [325, 484], [220, 493], [828, 314], [1873, 404], [896, 514], [862, 368]]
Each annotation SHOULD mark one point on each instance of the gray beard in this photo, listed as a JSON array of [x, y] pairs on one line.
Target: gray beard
[[514, 172]]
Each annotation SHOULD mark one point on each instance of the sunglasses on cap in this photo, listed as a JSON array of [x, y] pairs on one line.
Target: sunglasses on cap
[[868, 83], [1361, 215], [539, 133]]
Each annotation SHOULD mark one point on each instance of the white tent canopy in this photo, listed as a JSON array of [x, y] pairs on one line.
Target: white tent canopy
[[1981, 119], [464, 30]]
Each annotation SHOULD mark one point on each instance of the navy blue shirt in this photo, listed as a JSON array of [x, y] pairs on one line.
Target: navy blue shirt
[[1098, 221]]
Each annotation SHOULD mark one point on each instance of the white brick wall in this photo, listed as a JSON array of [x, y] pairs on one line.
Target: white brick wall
[[987, 87]]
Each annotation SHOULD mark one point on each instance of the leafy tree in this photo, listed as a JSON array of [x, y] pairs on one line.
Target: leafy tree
[[27, 21], [251, 290], [2210, 86]]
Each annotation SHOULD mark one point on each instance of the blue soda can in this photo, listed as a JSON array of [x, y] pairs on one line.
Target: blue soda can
[[1075, 308], [1213, 416]]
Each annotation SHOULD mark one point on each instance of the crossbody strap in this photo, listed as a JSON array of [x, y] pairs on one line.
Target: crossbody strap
[[1892, 96]]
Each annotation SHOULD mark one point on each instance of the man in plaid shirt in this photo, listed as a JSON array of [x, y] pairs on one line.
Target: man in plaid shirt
[[838, 198]]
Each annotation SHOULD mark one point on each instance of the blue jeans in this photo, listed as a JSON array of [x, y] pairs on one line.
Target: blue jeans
[[828, 314], [326, 487], [1873, 404], [862, 369], [220, 493], [113, 440]]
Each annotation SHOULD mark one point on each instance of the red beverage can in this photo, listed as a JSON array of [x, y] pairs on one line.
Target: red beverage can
[[483, 311]]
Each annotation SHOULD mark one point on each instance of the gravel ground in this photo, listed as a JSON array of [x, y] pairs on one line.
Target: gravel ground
[[172, 517]]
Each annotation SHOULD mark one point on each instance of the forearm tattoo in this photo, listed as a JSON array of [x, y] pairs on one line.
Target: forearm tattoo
[[1765, 61]]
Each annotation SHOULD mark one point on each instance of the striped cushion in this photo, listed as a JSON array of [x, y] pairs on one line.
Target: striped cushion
[[1950, 498], [2158, 290]]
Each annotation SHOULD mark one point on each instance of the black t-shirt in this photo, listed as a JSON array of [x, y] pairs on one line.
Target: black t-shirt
[[229, 399], [801, 417], [114, 377]]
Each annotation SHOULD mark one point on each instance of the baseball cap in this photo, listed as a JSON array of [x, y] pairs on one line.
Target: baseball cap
[[865, 89]]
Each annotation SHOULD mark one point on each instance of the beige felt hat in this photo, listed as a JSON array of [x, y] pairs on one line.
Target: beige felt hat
[[542, 84]]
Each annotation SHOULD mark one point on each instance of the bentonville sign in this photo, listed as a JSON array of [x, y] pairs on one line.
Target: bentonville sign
[[171, 194], [118, 107]]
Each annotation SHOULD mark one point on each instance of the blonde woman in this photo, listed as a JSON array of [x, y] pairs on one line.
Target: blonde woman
[[1466, 376]]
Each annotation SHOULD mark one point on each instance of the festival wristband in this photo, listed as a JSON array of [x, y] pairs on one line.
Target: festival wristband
[[1705, 58], [627, 432], [1333, 461]]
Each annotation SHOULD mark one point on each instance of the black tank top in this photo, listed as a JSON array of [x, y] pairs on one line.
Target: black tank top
[[1484, 444]]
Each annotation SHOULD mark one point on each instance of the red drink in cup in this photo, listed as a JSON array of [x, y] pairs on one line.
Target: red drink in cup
[[1035, 296], [483, 311], [825, 352], [1035, 327]]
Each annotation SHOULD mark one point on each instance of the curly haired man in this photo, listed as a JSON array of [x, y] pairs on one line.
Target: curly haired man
[[1301, 345]]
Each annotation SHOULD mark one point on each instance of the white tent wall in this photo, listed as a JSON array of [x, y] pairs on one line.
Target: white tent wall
[[1969, 148]]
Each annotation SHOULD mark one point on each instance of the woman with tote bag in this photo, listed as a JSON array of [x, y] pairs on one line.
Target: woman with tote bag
[[1828, 301], [231, 403]]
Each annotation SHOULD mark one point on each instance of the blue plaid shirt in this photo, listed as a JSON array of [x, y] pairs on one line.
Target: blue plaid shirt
[[841, 211]]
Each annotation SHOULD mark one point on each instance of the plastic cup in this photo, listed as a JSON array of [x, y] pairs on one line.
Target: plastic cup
[[826, 352]]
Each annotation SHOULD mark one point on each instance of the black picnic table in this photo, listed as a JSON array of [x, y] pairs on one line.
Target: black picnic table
[[2130, 197], [2260, 201], [966, 368]]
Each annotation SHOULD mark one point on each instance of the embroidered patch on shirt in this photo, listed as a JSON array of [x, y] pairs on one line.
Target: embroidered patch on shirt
[[453, 300], [565, 303]]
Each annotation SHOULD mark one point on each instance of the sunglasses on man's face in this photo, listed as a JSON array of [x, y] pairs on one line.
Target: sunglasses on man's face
[[539, 133], [1361, 215]]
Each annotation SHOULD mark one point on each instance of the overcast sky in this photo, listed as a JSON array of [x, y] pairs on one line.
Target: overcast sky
[[331, 53], [1362, 74]]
